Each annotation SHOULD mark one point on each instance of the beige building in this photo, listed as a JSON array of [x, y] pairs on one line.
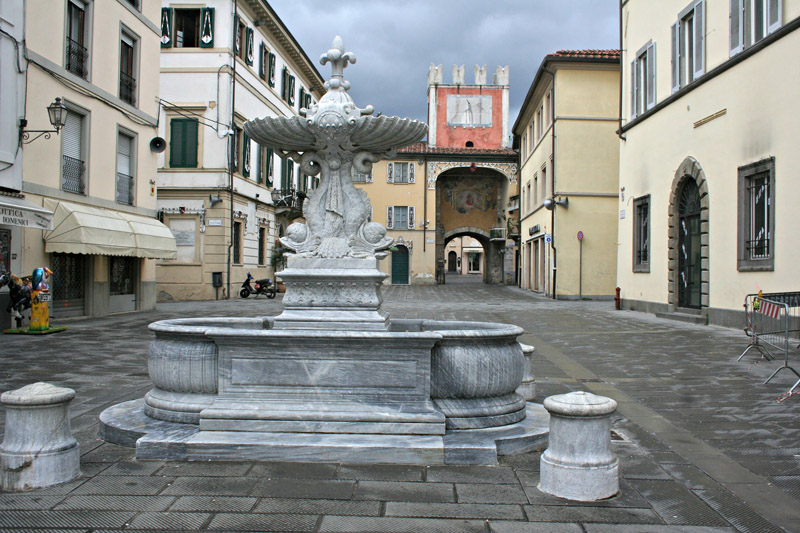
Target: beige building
[[709, 153], [97, 175], [464, 255], [225, 198], [568, 146]]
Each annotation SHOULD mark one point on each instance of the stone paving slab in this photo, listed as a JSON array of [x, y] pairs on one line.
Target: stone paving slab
[[703, 445]]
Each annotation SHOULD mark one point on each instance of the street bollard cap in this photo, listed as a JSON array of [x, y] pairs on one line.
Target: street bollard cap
[[37, 394], [579, 403]]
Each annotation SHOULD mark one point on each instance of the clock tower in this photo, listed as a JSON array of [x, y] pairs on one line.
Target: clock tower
[[468, 116]]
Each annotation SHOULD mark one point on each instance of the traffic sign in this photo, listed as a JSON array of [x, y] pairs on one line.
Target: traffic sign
[[548, 238], [580, 235]]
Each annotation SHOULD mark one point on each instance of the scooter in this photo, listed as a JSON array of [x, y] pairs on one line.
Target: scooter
[[262, 286]]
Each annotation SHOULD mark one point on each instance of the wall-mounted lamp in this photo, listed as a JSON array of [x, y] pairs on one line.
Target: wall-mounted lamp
[[214, 200], [551, 203], [56, 112]]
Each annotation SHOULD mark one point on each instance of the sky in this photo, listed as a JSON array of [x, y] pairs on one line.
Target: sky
[[396, 41]]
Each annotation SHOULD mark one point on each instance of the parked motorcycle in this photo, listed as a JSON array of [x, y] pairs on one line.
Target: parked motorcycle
[[259, 286]]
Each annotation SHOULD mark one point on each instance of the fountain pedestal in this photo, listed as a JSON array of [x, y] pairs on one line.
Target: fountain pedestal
[[332, 294]]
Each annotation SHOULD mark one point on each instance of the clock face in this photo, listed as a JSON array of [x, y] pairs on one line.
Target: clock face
[[469, 110]]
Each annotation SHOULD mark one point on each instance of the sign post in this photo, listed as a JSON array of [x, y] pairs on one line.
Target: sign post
[[580, 265]]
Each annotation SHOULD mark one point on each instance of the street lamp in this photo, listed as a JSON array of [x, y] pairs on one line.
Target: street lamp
[[276, 196], [56, 112], [551, 203]]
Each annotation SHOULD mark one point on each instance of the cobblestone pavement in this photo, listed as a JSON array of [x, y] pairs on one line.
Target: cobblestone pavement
[[703, 444]]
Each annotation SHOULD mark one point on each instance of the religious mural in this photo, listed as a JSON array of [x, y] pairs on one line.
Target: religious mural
[[468, 194]]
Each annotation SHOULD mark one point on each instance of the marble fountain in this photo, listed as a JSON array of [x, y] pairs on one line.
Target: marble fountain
[[332, 378]]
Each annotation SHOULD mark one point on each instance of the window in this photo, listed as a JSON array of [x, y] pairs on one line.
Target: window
[[265, 170], [535, 192], [239, 37], [752, 20], [271, 70], [125, 181], [262, 245], [542, 185], [548, 107], [193, 27], [757, 215], [641, 234], [77, 52], [235, 146], [399, 217], [301, 100], [287, 173], [74, 163], [400, 172], [5, 251], [249, 47], [529, 196], [183, 143], [237, 242], [245, 155], [688, 45], [187, 28], [263, 57], [287, 87], [127, 68], [539, 123], [362, 177], [643, 80]]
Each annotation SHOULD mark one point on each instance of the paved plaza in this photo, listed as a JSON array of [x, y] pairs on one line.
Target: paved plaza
[[703, 444]]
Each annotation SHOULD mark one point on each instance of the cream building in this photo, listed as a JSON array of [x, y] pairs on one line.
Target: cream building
[[708, 155], [464, 255], [226, 198], [566, 136], [97, 175]]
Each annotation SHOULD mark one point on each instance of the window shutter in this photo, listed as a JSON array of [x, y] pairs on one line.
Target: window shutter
[[289, 173], [651, 76], [291, 90], [774, 15], [412, 172], [676, 59], [271, 70], [269, 167], [307, 104], [183, 143], [166, 27], [699, 39], [390, 172], [176, 142], [284, 83], [633, 88], [249, 45], [737, 27], [124, 154], [411, 217], [71, 136], [237, 45], [245, 155], [207, 27], [262, 66], [389, 217], [301, 100], [259, 165]]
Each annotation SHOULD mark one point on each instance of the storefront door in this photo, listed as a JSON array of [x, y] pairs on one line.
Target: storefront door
[[123, 276]]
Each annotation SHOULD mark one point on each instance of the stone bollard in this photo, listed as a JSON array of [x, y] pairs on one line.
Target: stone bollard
[[527, 388], [39, 449], [578, 463]]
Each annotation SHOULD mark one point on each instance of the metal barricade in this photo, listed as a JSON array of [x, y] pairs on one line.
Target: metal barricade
[[773, 320]]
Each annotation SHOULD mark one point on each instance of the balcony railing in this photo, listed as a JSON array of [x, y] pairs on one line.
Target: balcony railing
[[497, 234], [127, 88], [77, 56], [124, 189], [72, 175]]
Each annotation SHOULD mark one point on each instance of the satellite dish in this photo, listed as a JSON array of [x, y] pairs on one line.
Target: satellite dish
[[158, 145]]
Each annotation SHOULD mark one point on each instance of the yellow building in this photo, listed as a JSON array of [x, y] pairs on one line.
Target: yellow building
[[709, 140], [97, 175], [566, 136], [226, 198]]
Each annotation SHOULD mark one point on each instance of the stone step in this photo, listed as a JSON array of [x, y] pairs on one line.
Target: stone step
[[688, 317]]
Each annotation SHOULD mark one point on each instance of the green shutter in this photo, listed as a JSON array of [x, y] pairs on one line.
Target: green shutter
[[249, 45], [183, 143], [302, 99], [269, 170], [284, 83], [207, 27], [237, 45], [262, 67], [245, 155], [166, 27], [271, 70], [290, 100]]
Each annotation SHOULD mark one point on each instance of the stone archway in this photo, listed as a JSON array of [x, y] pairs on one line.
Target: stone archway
[[492, 258], [689, 169]]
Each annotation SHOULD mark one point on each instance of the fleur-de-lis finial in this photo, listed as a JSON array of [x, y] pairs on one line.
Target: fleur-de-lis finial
[[338, 59]]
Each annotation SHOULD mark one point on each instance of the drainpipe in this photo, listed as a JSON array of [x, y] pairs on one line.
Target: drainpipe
[[232, 140], [619, 131], [553, 180]]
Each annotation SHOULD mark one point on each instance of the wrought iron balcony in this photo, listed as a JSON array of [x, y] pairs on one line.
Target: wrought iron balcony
[[127, 88], [124, 189], [289, 201], [77, 56], [72, 175]]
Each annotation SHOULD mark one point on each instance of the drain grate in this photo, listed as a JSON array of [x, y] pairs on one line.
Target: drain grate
[[591, 380]]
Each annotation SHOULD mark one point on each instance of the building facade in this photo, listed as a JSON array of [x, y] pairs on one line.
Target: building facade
[[226, 198], [567, 141], [707, 142], [95, 178], [457, 184]]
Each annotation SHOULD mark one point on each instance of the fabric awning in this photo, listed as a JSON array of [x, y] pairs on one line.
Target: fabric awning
[[82, 229], [22, 213]]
